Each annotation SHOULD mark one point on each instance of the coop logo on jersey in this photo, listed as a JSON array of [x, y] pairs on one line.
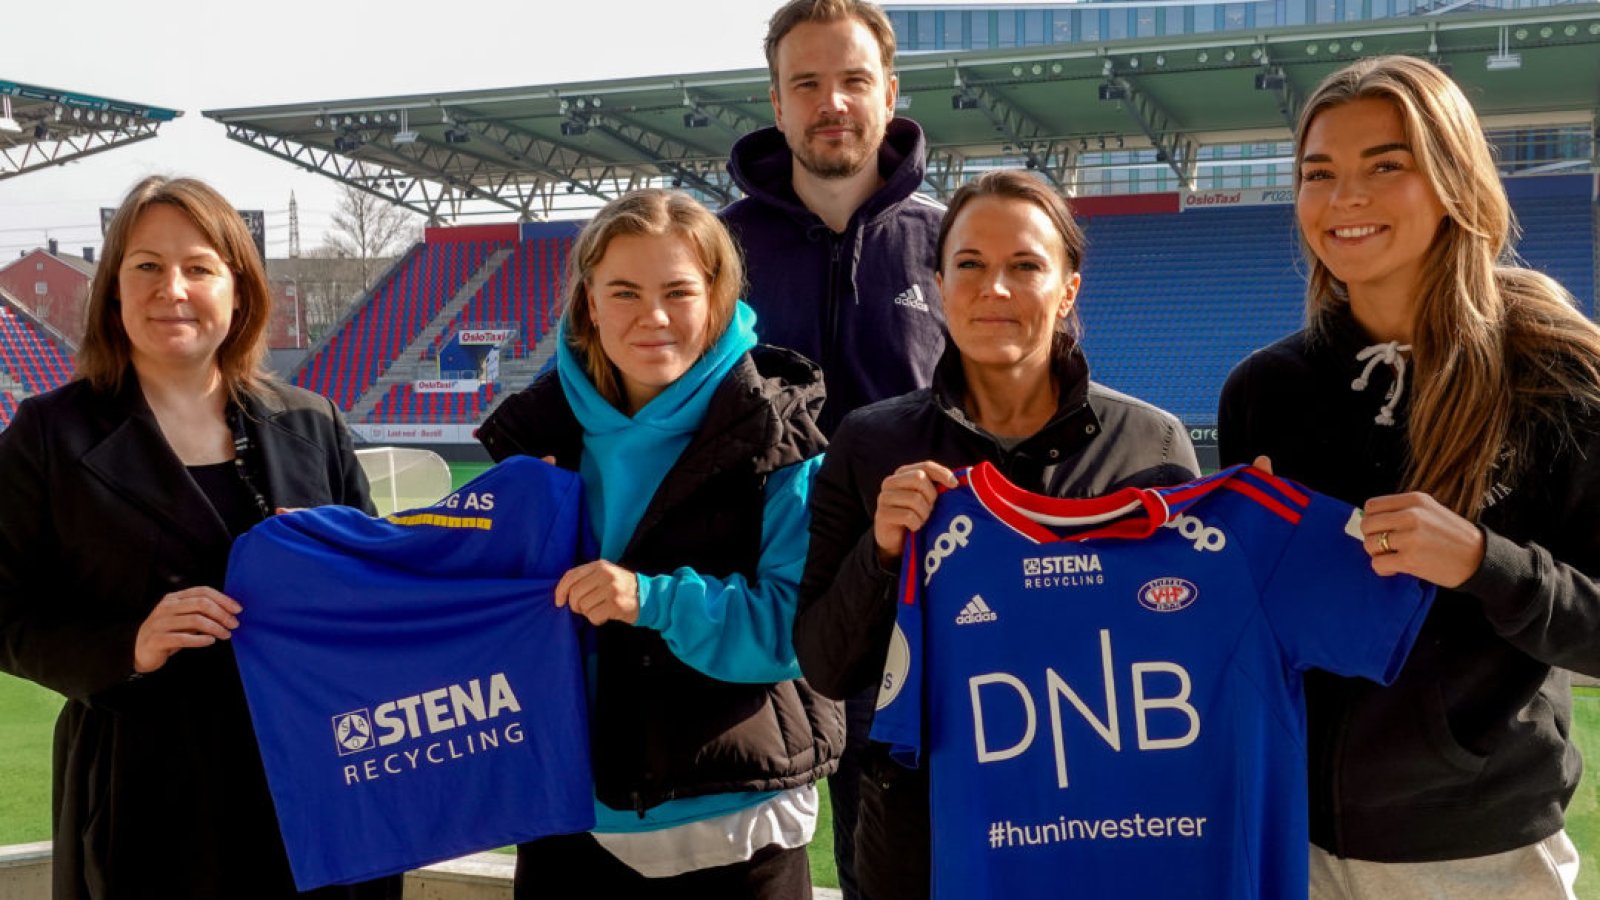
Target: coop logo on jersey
[[352, 731], [1206, 538], [976, 611], [1062, 571], [954, 538], [432, 728], [1166, 595]]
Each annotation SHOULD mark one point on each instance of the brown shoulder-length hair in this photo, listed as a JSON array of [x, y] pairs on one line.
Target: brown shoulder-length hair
[[106, 352], [801, 12], [1016, 184], [656, 213], [1497, 348]]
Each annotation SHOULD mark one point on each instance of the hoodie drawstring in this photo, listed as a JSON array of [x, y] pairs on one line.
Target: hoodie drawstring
[[1391, 354]]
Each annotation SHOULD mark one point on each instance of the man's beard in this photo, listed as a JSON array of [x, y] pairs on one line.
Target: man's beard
[[841, 162]]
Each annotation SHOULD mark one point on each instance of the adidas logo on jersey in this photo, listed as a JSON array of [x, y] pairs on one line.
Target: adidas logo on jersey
[[976, 611], [912, 297]]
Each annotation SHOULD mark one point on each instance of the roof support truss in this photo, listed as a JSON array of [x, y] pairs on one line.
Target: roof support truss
[[692, 166], [1273, 78], [946, 172], [443, 181], [732, 121], [76, 143], [552, 164], [1172, 146], [1055, 159]]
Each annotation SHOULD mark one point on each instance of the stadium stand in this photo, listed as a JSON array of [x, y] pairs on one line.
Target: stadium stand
[[1171, 302], [403, 403], [1558, 238], [400, 307], [29, 355], [523, 292], [8, 408]]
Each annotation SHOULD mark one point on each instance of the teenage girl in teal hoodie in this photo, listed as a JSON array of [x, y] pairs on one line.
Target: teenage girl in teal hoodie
[[696, 448]]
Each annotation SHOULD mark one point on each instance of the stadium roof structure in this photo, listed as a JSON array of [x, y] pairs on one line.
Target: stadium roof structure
[[542, 151], [41, 126]]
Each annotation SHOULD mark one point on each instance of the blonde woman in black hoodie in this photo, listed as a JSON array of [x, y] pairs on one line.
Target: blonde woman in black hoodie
[[1458, 397]]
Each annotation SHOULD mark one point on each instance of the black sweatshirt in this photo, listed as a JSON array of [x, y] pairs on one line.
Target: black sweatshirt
[[1467, 753]]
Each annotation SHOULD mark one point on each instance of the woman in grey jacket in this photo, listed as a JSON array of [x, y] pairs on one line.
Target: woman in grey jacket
[[1013, 389]]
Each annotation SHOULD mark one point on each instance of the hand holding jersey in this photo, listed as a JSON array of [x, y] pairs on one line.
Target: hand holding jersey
[[904, 504], [601, 592], [1413, 534], [1437, 545], [193, 617]]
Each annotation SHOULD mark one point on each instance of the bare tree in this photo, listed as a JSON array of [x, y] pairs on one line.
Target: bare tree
[[327, 283], [367, 228]]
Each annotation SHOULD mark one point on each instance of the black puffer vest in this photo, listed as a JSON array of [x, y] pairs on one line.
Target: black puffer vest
[[662, 730]]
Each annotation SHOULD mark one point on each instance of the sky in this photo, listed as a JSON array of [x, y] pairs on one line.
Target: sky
[[195, 55]]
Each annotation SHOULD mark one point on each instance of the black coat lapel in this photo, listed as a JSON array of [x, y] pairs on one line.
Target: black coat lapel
[[294, 467], [135, 462]]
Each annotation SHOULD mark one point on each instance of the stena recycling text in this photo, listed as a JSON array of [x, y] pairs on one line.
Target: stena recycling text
[[433, 728]]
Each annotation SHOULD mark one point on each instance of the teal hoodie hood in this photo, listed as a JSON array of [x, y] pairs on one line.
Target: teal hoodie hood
[[626, 457]]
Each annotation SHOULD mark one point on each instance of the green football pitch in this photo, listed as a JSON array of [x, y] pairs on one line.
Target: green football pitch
[[27, 715]]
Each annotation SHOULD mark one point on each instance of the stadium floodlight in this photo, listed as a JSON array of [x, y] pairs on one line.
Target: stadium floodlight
[[1271, 80], [1111, 90], [405, 135], [1503, 59], [696, 119]]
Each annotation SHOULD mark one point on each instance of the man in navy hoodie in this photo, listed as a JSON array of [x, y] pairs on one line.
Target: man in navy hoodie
[[839, 247], [838, 243]]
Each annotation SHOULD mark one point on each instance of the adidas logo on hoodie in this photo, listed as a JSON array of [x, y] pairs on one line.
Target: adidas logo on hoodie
[[912, 297]]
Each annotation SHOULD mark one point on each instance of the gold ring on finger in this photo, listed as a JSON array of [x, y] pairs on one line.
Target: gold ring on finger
[[1383, 542]]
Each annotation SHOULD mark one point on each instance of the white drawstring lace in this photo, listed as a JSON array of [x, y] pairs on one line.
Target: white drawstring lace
[[1390, 354]]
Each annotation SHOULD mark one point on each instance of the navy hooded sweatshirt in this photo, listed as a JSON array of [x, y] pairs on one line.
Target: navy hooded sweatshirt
[[863, 304]]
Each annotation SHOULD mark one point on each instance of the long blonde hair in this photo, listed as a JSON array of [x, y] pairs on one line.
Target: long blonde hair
[[653, 212], [1497, 348]]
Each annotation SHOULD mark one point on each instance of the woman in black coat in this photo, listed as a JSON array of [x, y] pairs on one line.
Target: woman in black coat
[[120, 495], [1012, 389]]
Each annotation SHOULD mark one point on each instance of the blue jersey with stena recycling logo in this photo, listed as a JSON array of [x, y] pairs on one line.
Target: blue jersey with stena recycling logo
[[415, 691], [1108, 691]]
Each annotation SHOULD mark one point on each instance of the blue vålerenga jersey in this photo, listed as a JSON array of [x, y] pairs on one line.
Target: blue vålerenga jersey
[[416, 693], [1108, 691]]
